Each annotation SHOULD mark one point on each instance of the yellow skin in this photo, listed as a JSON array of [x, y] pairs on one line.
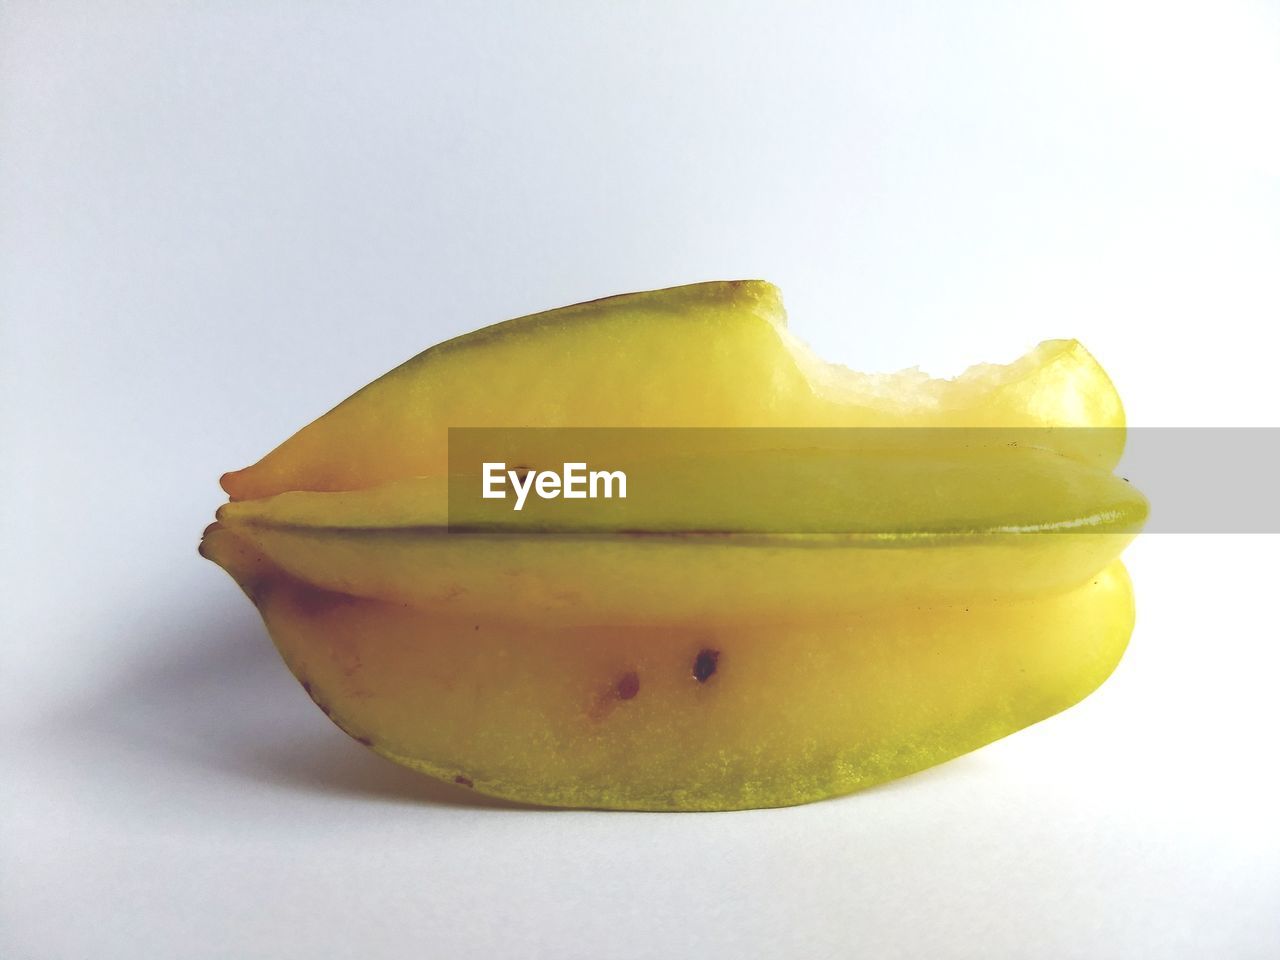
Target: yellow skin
[[650, 664]]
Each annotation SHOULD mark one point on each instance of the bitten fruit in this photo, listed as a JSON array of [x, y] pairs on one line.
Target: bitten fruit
[[695, 652]]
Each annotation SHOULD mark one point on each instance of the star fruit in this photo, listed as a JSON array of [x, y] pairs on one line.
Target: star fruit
[[705, 647]]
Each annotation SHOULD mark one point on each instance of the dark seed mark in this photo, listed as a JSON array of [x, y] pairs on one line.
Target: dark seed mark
[[464, 781], [704, 665], [628, 685], [365, 740], [306, 685], [323, 708]]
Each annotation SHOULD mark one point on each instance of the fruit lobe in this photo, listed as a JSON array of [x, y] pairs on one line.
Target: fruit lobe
[[705, 355]]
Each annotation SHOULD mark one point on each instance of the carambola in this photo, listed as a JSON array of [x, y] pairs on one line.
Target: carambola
[[698, 654]]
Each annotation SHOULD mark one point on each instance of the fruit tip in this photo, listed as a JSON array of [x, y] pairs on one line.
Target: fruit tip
[[757, 287], [222, 514], [203, 548], [233, 483], [759, 293]]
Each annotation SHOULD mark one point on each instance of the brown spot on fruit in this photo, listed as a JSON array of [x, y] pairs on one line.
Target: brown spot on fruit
[[463, 781], [364, 740], [628, 685], [306, 685], [704, 664], [311, 602], [257, 589], [609, 694]]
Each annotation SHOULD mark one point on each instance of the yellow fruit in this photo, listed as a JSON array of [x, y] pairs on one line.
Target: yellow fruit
[[717, 644], [705, 355]]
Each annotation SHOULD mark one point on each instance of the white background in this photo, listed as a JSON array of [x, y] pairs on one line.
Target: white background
[[219, 219]]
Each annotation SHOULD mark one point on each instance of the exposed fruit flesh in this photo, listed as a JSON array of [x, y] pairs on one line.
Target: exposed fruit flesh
[[706, 355]]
